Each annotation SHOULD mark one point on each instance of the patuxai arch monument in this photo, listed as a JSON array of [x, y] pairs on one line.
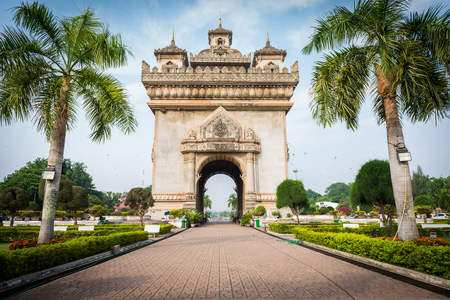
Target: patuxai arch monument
[[218, 112]]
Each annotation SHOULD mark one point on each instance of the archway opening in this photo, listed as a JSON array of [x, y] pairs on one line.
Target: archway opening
[[220, 167], [219, 189]]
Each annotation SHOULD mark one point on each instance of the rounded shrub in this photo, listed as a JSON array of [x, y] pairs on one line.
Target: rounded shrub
[[423, 200]]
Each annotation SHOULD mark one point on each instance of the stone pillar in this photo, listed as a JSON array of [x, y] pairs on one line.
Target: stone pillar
[[250, 182], [189, 175]]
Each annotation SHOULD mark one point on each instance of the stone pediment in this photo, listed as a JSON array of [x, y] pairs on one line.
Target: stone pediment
[[220, 133]]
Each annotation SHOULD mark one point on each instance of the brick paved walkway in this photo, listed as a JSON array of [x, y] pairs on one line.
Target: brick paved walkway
[[226, 261]]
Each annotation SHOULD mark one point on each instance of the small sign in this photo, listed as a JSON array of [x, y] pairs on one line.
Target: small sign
[[433, 236], [152, 228], [60, 228], [86, 228], [166, 213]]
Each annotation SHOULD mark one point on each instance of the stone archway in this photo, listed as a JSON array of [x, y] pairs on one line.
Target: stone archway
[[218, 112], [220, 167]]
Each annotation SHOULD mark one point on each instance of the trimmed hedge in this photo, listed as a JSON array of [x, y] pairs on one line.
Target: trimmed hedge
[[434, 260], [165, 229], [371, 230], [12, 234], [25, 261]]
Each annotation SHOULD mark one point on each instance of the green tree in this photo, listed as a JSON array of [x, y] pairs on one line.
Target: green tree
[[141, 200], [232, 201], [292, 194], [78, 176], [28, 178], [112, 199], [444, 200], [65, 190], [435, 186], [47, 64], [207, 202], [98, 211], [337, 191], [419, 182], [312, 196], [423, 200], [404, 55], [33, 206], [94, 200], [13, 199], [373, 186], [79, 201]]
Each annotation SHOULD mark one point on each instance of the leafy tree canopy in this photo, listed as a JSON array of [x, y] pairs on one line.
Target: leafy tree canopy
[[29, 178], [139, 199], [292, 194], [419, 182], [13, 199], [373, 187], [423, 200], [435, 186], [373, 184], [337, 191], [312, 196], [65, 190]]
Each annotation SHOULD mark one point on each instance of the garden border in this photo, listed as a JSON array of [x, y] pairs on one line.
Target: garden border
[[425, 281], [21, 284]]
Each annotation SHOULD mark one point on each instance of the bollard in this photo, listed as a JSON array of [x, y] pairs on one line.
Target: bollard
[[115, 249]]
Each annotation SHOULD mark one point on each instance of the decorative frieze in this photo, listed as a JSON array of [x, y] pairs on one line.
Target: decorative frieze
[[174, 197]]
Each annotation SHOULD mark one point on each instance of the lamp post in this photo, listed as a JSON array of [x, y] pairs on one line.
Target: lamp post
[[295, 172]]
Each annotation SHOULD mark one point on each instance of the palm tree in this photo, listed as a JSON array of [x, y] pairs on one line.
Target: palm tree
[[404, 56], [207, 203], [232, 201], [47, 63]]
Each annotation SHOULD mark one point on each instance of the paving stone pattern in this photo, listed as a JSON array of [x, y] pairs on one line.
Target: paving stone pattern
[[226, 261]]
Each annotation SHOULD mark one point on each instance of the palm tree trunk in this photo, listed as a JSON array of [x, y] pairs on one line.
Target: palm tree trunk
[[400, 173], [55, 160]]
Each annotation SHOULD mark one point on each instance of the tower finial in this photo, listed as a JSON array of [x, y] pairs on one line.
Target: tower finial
[[173, 33], [267, 33], [220, 18]]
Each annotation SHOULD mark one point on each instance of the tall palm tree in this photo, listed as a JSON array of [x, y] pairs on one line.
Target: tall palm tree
[[232, 201], [46, 65], [207, 203], [404, 56]]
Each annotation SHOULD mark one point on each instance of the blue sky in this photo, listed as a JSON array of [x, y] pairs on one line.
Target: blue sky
[[322, 156]]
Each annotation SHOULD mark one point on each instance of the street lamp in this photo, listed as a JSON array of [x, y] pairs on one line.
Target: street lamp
[[403, 155], [48, 173], [295, 172]]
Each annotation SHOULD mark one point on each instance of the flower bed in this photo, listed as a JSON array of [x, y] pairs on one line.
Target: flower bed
[[34, 243], [434, 260], [25, 261]]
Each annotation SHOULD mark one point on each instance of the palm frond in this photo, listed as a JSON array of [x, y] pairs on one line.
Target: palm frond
[[338, 87], [40, 21], [338, 27], [106, 104], [432, 29], [423, 85]]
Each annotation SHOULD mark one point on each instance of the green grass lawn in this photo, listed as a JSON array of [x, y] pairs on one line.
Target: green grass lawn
[[4, 246]]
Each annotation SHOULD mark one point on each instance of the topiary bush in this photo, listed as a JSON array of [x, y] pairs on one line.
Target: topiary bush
[[423, 200], [245, 219], [259, 211]]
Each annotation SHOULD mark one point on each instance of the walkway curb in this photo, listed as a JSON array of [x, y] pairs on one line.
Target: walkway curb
[[16, 285], [374, 264]]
